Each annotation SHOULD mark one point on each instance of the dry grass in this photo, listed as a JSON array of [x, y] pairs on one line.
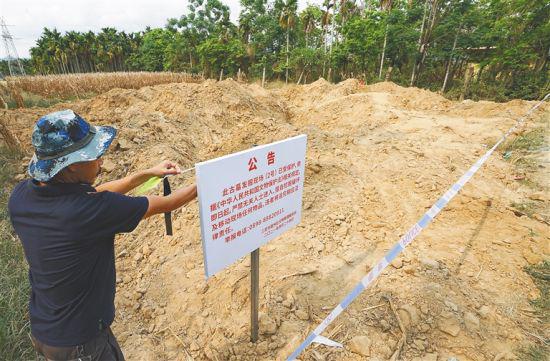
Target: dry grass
[[83, 85], [14, 285], [540, 350], [9, 138]]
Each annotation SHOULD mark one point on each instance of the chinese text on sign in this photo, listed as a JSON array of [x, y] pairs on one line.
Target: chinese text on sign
[[249, 198]]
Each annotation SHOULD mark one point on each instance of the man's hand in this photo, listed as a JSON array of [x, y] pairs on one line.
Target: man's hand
[[159, 204], [164, 168], [128, 183]]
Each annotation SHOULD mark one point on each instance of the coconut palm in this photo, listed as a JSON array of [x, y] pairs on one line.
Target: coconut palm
[[385, 6], [287, 21], [308, 21]]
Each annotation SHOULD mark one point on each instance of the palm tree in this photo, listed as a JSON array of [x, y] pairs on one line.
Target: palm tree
[[108, 48], [37, 56], [287, 21], [55, 48], [73, 44], [308, 21], [385, 5], [90, 50], [347, 9], [326, 19]]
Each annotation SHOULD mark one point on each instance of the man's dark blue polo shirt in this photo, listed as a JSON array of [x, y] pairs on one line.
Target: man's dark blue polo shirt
[[67, 232]]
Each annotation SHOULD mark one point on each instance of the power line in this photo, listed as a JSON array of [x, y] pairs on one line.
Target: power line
[[14, 64]]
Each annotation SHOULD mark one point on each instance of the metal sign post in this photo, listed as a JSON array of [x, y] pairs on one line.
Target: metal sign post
[[254, 290], [254, 293]]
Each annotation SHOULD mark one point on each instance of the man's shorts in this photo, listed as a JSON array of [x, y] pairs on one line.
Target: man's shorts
[[102, 348]]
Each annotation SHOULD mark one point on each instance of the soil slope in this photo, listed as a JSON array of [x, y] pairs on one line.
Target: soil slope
[[377, 158]]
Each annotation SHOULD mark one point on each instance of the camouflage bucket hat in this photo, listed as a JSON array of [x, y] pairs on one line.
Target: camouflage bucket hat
[[63, 138]]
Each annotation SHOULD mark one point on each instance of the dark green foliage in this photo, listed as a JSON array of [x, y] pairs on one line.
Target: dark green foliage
[[77, 52], [5, 70], [426, 43], [154, 52], [216, 54]]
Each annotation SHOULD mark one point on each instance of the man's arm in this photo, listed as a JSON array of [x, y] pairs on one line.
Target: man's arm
[[159, 204], [126, 184]]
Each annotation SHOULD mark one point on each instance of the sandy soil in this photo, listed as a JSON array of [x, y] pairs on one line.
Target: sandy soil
[[377, 158]]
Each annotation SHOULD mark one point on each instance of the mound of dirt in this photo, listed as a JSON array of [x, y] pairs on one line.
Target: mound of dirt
[[377, 159], [411, 98]]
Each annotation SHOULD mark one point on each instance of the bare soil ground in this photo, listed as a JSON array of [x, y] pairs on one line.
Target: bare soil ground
[[378, 157]]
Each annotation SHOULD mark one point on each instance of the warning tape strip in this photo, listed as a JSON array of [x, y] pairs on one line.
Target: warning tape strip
[[407, 238], [153, 182]]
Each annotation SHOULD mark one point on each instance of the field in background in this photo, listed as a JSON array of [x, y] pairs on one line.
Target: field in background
[[44, 90]]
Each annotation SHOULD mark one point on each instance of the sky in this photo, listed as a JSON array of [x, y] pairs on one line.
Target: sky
[[27, 18]]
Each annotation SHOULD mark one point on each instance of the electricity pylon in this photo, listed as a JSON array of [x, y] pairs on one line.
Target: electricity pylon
[[14, 64]]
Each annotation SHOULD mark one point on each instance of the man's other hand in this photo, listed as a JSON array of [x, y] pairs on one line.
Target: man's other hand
[[164, 168], [181, 196]]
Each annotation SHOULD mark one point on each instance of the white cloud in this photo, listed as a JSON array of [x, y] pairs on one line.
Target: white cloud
[[29, 17]]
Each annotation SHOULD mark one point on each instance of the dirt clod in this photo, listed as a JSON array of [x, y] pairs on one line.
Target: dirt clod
[[360, 345], [450, 325]]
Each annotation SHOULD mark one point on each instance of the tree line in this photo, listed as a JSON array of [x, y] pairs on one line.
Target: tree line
[[496, 49]]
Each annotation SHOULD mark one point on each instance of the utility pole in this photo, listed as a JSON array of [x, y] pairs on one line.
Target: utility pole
[[14, 64]]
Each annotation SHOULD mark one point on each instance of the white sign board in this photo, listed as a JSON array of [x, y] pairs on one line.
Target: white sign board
[[248, 198]]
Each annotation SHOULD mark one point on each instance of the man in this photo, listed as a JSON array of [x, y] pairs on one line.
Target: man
[[67, 228]]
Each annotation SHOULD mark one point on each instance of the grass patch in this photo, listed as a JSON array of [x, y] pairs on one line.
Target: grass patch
[[541, 277], [528, 208], [516, 150], [14, 285], [529, 183], [32, 100], [520, 152], [529, 141], [534, 353], [527, 164]]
